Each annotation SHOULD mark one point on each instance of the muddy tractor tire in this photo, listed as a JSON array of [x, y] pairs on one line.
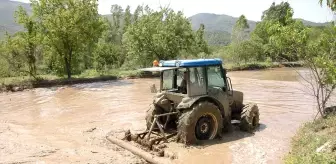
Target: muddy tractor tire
[[202, 122], [249, 119], [151, 112]]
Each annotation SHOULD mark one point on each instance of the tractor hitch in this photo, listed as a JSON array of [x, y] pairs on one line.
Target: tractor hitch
[[153, 136]]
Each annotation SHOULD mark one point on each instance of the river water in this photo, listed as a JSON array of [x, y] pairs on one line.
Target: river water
[[69, 124]]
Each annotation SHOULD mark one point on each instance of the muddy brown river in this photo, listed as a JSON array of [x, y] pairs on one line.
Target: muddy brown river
[[69, 124]]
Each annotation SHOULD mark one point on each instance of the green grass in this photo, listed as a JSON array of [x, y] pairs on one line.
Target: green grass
[[24, 79], [309, 138]]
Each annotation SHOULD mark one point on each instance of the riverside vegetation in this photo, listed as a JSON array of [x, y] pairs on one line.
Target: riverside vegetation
[[69, 39]]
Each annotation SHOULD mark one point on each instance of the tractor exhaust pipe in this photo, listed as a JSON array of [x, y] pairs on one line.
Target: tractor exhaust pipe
[[136, 151]]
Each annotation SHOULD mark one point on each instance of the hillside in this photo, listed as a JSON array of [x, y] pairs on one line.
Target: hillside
[[214, 22], [7, 20]]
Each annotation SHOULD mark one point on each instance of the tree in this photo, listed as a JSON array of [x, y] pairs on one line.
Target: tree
[[127, 18], [68, 26], [13, 51], [278, 13], [137, 13], [320, 59], [29, 39], [116, 12], [287, 42], [107, 55], [270, 31], [239, 31], [158, 35], [201, 44]]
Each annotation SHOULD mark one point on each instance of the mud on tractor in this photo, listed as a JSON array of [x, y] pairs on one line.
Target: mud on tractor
[[195, 102]]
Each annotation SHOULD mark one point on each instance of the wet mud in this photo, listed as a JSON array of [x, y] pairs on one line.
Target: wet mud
[[69, 124]]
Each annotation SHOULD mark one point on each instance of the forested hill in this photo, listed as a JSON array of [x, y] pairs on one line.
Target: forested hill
[[217, 27], [215, 23]]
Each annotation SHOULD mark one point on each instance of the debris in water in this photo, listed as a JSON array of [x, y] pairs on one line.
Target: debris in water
[[91, 130]]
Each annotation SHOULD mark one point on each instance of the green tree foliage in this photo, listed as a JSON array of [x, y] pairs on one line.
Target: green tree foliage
[[278, 13], [108, 56], [68, 26], [137, 13], [12, 51], [109, 52], [30, 39], [242, 48], [201, 44], [127, 18], [117, 12], [159, 35], [287, 42], [320, 58], [277, 33], [245, 51], [330, 3], [239, 32], [19, 53]]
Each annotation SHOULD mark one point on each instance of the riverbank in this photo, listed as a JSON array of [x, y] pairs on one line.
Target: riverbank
[[315, 142], [14, 84], [261, 65]]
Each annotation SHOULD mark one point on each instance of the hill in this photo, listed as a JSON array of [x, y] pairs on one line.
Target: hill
[[7, 19], [215, 22]]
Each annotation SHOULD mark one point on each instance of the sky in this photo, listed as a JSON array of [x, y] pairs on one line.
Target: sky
[[252, 9]]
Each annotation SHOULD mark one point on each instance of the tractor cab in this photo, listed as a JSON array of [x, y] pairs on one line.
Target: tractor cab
[[191, 77]]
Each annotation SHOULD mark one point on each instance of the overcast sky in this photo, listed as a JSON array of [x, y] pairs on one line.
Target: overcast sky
[[252, 9]]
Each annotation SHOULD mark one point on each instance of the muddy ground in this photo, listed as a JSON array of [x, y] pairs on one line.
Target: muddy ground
[[69, 124]]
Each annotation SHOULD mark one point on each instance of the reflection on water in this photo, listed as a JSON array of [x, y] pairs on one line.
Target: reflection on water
[[56, 120]]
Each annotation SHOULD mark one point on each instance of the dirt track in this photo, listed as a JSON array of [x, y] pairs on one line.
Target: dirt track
[[69, 124]]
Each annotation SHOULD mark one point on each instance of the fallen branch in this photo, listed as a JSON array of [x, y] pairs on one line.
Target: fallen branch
[[141, 153]]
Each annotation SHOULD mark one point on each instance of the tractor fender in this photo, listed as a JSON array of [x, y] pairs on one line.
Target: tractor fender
[[236, 102], [187, 103]]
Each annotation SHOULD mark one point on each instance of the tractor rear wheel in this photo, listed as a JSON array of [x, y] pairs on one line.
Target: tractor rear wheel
[[203, 122], [249, 119], [151, 112]]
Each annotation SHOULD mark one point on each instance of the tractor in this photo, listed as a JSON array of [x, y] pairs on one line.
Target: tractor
[[195, 102]]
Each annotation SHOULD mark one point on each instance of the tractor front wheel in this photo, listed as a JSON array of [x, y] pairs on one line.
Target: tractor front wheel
[[151, 112], [249, 118], [203, 122]]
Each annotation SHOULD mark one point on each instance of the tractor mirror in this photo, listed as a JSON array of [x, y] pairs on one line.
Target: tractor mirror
[[230, 89]]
